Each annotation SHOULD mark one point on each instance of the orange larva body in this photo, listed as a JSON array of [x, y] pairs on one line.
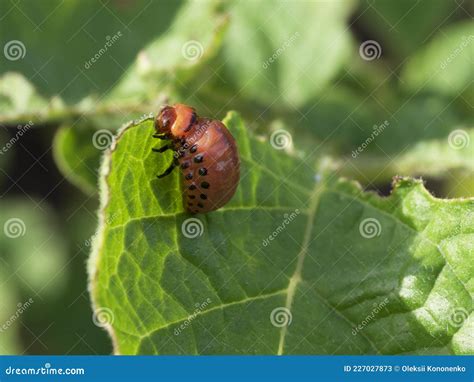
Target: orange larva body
[[206, 154]]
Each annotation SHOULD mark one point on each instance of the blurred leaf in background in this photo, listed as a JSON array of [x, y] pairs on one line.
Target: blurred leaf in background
[[60, 37], [9, 338], [163, 262], [444, 66], [284, 55], [171, 60], [33, 248], [76, 32], [404, 26], [33, 259], [78, 157]]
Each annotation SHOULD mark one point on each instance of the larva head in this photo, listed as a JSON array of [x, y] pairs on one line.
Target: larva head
[[165, 120], [175, 121]]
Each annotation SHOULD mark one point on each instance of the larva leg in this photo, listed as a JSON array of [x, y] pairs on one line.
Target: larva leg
[[162, 149], [169, 169]]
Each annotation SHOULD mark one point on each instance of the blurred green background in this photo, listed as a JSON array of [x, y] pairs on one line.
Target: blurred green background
[[300, 66]]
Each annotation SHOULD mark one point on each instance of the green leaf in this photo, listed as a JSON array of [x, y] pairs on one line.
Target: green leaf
[[417, 119], [423, 135], [20, 101], [9, 336], [341, 117], [435, 158], [77, 151], [45, 265], [403, 26], [163, 66], [173, 59], [77, 31], [445, 64], [459, 184], [32, 251], [283, 55], [263, 275]]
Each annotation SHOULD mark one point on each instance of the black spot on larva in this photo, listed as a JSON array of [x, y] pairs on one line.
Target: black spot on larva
[[192, 196], [203, 171], [192, 121], [200, 205], [205, 185], [198, 158], [192, 187], [183, 141], [184, 165], [193, 149], [189, 176], [203, 196], [190, 204]]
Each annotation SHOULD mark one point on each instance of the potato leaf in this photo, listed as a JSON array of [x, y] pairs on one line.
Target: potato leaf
[[445, 64], [281, 49], [297, 262], [32, 254], [77, 151], [404, 26], [162, 66]]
